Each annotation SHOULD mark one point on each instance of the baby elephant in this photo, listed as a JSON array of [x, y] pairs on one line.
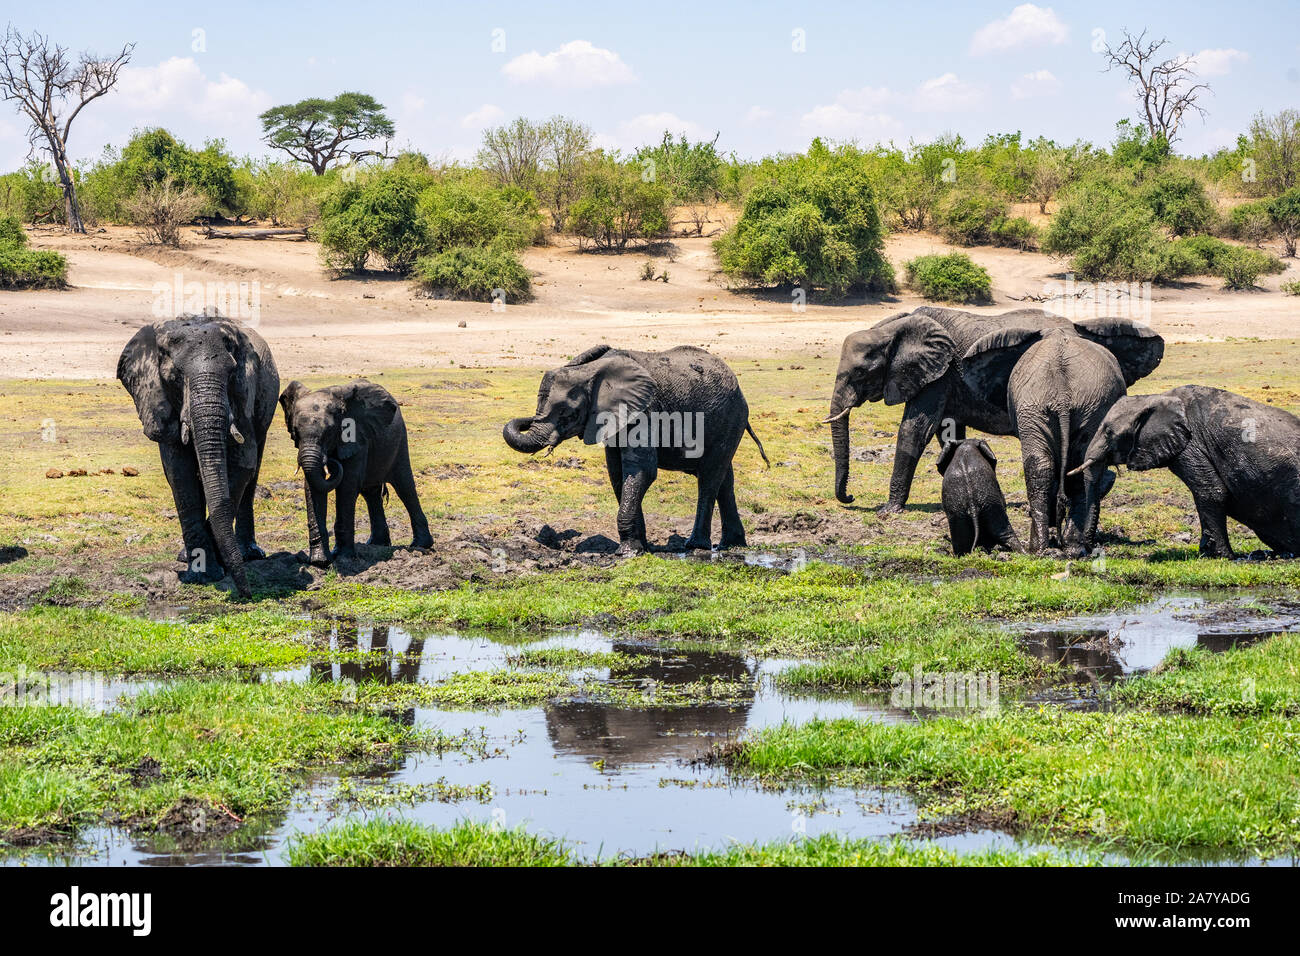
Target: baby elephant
[[351, 439], [972, 498]]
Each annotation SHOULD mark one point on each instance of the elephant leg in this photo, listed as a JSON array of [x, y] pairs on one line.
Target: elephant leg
[[402, 479], [733, 531], [244, 532], [961, 529], [708, 483], [637, 479], [1040, 489], [921, 420], [614, 466], [200, 550], [318, 544], [378, 521], [1214, 527], [345, 520]]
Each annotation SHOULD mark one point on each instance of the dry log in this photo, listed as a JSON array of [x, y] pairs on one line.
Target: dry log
[[211, 233]]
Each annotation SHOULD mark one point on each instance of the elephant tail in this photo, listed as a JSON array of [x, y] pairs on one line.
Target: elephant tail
[[750, 429], [1063, 426], [975, 524]]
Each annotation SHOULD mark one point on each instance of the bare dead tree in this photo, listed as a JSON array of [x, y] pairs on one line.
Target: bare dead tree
[[1166, 90], [51, 89]]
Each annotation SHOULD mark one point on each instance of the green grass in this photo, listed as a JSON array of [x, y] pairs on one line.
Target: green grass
[[226, 746], [1260, 680], [1147, 782], [63, 638], [380, 842]]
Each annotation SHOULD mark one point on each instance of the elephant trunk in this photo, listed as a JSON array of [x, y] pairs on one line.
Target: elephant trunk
[[210, 424], [842, 403], [527, 435], [322, 472]]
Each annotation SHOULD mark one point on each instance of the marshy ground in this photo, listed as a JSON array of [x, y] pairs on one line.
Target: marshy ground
[[521, 695]]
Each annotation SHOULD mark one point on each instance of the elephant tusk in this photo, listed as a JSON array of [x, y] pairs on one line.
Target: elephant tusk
[[185, 433], [835, 418], [234, 433], [1084, 467]]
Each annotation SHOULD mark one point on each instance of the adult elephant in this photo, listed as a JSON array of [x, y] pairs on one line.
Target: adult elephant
[[1239, 458], [680, 410], [915, 359], [205, 389]]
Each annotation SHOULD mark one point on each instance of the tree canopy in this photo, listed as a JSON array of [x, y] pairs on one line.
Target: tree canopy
[[322, 132]]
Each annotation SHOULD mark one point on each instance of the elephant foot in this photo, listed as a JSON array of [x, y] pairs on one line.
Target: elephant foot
[[211, 576], [318, 557], [346, 553], [380, 540], [1076, 551], [422, 541], [252, 551], [698, 544], [889, 508], [732, 541], [628, 549]]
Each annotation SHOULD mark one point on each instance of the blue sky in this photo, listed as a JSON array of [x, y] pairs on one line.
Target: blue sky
[[867, 71]]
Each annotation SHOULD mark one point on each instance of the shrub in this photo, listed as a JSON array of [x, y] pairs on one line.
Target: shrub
[[380, 217], [469, 214], [1285, 213], [1107, 235], [160, 209], [12, 232], [1197, 255], [1016, 232], [949, 278], [813, 224], [616, 205], [1239, 268], [1291, 288], [968, 219], [22, 268], [474, 272], [1250, 222], [1178, 202]]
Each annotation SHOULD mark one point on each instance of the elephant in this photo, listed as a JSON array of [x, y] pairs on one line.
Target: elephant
[[915, 359], [1238, 458], [1057, 387], [205, 390], [972, 498], [351, 440], [679, 410]]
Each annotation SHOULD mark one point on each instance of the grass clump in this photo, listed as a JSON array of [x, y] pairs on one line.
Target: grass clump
[[1260, 680], [403, 843], [949, 278]]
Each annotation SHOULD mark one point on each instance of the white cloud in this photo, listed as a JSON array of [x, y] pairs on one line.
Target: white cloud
[[486, 115], [412, 102], [1217, 62], [839, 121], [1037, 83], [1027, 25], [945, 93], [649, 128], [758, 114], [867, 98], [575, 65]]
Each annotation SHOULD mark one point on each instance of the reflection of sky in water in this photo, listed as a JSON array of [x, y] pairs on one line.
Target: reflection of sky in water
[[618, 780]]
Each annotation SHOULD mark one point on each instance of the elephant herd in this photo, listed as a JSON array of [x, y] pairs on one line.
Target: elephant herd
[[206, 390]]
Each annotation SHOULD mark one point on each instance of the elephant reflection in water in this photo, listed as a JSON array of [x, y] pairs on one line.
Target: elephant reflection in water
[[380, 666], [1089, 654], [652, 734]]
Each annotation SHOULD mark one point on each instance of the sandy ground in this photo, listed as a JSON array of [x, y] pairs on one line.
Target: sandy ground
[[316, 323]]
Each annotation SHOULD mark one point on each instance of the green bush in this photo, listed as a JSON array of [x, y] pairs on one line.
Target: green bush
[[1285, 213], [1239, 268], [1197, 255], [474, 272], [12, 232], [379, 217], [1250, 222], [950, 278], [22, 268], [1291, 288], [813, 224], [1016, 232], [1106, 234], [616, 205], [1178, 202], [968, 219], [467, 213]]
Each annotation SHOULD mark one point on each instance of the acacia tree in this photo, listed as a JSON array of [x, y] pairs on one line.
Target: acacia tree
[[320, 132], [1166, 90], [51, 89]]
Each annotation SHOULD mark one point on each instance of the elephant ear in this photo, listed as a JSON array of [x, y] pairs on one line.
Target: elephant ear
[[987, 364], [621, 389], [987, 452], [288, 399], [371, 407], [138, 371], [921, 352], [593, 353], [945, 455], [1136, 346], [1161, 433]]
